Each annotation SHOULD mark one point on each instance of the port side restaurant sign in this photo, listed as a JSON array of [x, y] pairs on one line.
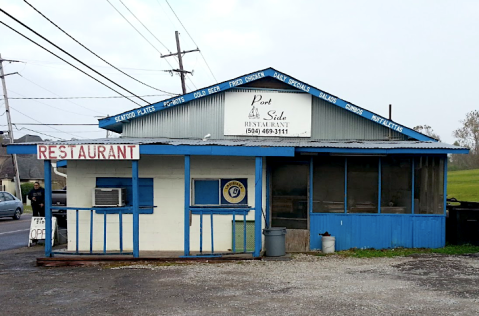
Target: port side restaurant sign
[[265, 113], [89, 152]]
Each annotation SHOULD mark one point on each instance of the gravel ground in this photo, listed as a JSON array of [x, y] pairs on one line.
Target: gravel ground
[[306, 285]]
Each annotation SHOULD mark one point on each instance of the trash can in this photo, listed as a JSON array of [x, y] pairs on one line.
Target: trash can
[[328, 244], [462, 223], [274, 241]]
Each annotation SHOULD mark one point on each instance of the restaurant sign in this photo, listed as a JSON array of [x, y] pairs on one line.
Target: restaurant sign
[[89, 152], [263, 113]]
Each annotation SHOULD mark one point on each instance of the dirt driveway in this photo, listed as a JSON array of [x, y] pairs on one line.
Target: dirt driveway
[[306, 285]]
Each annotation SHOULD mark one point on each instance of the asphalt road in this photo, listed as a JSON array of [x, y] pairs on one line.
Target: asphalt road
[[14, 234]]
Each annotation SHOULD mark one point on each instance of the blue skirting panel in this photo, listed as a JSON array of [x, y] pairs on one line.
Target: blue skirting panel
[[379, 231]]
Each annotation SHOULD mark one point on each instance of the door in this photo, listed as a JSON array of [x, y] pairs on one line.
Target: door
[[289, 202]]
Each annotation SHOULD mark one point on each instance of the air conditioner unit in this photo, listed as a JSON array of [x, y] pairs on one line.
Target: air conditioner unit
[[109, 197]]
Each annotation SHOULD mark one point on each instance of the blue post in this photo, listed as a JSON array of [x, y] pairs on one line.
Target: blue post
[[345, 185], [136, 209], [91, 231], [258, 199], [76, 232], [120, 218], [201, 231], [268, 196], [311, 170], [445, 184], [412, 185], [379, 186], [234, 231], [187, 207], [104, 232], [48, 210]]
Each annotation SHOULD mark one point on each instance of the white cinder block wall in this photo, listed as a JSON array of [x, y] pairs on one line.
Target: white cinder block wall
[[164, 229]]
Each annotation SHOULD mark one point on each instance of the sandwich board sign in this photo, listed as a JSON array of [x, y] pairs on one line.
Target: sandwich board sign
[[37, 230]]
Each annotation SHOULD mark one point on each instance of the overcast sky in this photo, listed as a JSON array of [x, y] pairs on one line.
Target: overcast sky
[[420, 56]]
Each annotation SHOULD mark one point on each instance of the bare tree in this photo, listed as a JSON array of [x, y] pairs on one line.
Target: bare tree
[[468, 136], [427, 130]]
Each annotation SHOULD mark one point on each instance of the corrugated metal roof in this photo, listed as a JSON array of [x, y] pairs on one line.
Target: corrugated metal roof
[[259, 143]]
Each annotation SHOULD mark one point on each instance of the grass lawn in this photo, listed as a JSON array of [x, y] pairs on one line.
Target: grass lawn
[[463, 185], [402, 252], [27, 209]]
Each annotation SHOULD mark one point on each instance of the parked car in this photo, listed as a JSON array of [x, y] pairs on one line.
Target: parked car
[[10, 206], [59, 198]]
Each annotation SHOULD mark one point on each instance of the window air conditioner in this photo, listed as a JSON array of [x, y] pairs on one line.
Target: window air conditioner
[[112, 197]]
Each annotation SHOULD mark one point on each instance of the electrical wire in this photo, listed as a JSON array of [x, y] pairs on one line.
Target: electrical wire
[[31, 130], [68, 63], [42, 123], [57, 95], [65, 52], [67, 98], [95, 53], [145, 27], [58, 124], [192, 40], [52, 106]]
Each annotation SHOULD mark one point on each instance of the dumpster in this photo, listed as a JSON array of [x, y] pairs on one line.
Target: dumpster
[[462, 223], [275, 241]]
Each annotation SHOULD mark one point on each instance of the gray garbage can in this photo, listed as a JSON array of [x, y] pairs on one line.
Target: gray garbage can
[[274, 242]]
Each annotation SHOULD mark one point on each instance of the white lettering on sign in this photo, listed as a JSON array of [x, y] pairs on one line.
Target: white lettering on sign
[[327, 97], [299, 85], [174, 101], [124, 117], [89, 152], [387, 123], [254, 77], [354, 109], [37, 229], [267, 114]]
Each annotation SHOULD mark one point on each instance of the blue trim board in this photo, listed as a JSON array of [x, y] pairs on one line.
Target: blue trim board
[[115, 123], [48, 204], [252, 151]]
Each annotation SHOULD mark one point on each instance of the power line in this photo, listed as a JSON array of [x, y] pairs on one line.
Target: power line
[[145, 26], [52, 106], [68, 63], [65, 52], [192, 40], [67, 98], [57, 95], [58, 124], [95, 53], [42, 123], [31, 130]]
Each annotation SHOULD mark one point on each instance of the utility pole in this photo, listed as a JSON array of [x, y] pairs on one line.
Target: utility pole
[[10, 130], [180, 60]]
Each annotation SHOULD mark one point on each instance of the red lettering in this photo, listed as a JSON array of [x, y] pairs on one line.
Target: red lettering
[[131, 150], [42, 149], [82, 153], [71, 150], [101, 151], [63, 153], [121, 152], [92, 152], [51, 152], [111, 153]]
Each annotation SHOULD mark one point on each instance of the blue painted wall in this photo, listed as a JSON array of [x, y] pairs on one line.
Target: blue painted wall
[[379, 231]]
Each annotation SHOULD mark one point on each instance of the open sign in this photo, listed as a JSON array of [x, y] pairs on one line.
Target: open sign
[[37, 230]]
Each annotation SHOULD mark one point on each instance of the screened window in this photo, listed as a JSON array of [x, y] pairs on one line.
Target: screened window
[[396, 184], [328, 185], [429, 185], [362, 184]]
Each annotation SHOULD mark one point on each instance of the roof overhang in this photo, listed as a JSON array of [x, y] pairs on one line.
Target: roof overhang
[[255, 147], [115, 123]]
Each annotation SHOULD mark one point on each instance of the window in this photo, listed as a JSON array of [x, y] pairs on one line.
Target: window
[[429, 185], [8, 197], [363, 184], [145, 192], [396, 183], [328, 185], [216, 192]]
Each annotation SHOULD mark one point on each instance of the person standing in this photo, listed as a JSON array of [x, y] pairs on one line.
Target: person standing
[[37, 196]]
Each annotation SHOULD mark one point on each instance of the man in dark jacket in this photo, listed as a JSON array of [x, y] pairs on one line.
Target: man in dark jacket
[[37, 196]]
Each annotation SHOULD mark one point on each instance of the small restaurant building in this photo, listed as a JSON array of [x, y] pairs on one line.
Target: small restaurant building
[[204, 173]]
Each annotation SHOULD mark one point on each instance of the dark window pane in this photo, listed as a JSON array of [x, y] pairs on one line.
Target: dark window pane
[[290, 196], [396, 175], [328, 185], [363, 184], [429, 185]]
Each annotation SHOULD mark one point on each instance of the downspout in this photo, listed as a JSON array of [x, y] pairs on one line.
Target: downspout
[[54, 165]]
